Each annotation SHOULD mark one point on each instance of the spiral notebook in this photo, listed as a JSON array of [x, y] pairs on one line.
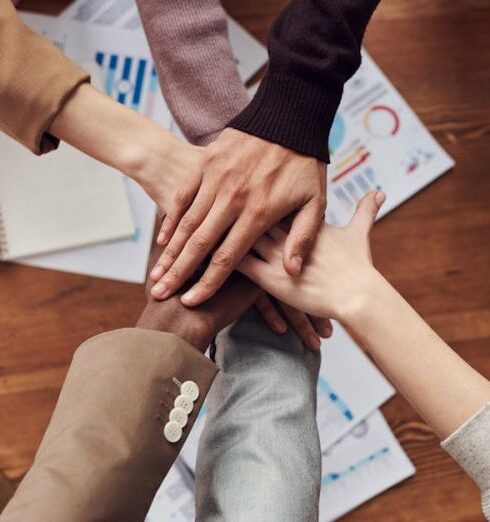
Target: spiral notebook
[[57, 201]]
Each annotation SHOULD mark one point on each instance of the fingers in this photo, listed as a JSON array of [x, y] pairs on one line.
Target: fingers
[[190, 221], [303, 327], [270, 314], [238, 242], [256, 270], [302, 236], [365, 215], [323, 327], [182, 201], [278, 234], [194, 252], [267, 248]]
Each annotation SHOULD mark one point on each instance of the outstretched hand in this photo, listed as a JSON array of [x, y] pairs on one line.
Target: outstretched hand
[[333, 277]]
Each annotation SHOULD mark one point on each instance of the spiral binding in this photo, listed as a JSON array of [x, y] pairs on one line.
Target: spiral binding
[[3, 238]]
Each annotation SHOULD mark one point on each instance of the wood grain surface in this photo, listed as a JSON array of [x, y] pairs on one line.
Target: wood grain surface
[[435, 249]]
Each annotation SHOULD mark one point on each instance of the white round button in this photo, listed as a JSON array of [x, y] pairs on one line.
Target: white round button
[[191, 389], [179, 416], [172, 432], [184, 402]]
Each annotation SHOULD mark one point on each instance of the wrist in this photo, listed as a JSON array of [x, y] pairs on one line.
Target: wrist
[[194, 330], [356, 308]]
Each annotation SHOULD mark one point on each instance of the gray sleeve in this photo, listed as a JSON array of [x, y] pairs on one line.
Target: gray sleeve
[[469, 446], [259, 455]]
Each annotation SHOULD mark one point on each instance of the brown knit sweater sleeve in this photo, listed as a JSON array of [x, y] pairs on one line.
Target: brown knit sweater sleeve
[[314, 48]]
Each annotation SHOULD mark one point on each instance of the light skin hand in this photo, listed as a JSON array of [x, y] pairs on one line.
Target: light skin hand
[[335, 272], [308, 328], [339, 281], [248, 185]]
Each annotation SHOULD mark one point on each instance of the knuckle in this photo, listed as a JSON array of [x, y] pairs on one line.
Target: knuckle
[[207, 155], [188, 223], [173, 274], [168, 257], [304, 239], [200, 243], [223, 259], [182, 197], [259, 212]]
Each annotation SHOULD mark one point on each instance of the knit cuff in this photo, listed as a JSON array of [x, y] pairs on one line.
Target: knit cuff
[[468, 447], [292, 113]]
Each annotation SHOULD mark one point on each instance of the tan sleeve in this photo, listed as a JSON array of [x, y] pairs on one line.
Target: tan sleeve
[[35, 81], [104, 455]]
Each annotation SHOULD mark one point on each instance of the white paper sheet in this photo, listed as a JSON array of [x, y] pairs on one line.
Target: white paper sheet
[[378, 142], [174, 501], [350, 387], [250, 54], [361, 465]]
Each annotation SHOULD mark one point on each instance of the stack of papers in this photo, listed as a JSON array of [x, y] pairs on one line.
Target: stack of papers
[[361, 457], [377, 142]]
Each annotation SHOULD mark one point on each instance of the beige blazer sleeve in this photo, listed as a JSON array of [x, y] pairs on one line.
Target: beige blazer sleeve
[[104, 454], [35, 81]]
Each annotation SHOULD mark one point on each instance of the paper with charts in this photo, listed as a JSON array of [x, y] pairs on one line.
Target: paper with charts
[[250, 54], [378, 142], [363, 464], [123, 59]]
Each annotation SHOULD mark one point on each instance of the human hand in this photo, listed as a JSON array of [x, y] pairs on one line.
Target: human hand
[[334, 277], [278, 316], [198, 325], [248, 184]]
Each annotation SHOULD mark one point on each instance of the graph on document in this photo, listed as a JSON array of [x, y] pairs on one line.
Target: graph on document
[[333, 412], [129, 80], [377, 142]]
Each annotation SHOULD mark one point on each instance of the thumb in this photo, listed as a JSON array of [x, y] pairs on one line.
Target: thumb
[[365, 215], [301, 237]]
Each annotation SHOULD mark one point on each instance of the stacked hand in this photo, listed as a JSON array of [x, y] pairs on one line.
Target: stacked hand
[[240, 187], [335, 279], [246, 185]]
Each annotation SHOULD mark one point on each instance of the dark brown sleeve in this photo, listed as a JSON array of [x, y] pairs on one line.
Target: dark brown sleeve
[[314, 48], [35, 81], [104, 454]]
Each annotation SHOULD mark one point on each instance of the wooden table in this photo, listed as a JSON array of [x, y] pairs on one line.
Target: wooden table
[[435, 249]]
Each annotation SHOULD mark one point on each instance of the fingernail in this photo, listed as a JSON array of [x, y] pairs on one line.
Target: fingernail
[[314, 342], [297, 263], [159, 290], [380, 198], [162, 238], [326, 332], [190, 297], [157, 272], [280, 326]]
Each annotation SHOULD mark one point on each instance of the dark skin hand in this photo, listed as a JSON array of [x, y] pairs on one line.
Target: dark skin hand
[[200, 324]]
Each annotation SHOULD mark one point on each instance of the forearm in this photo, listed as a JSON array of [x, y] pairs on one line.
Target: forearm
[[314, 48], [118, 136], [440, 385], [110, 132], [197, 72]]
